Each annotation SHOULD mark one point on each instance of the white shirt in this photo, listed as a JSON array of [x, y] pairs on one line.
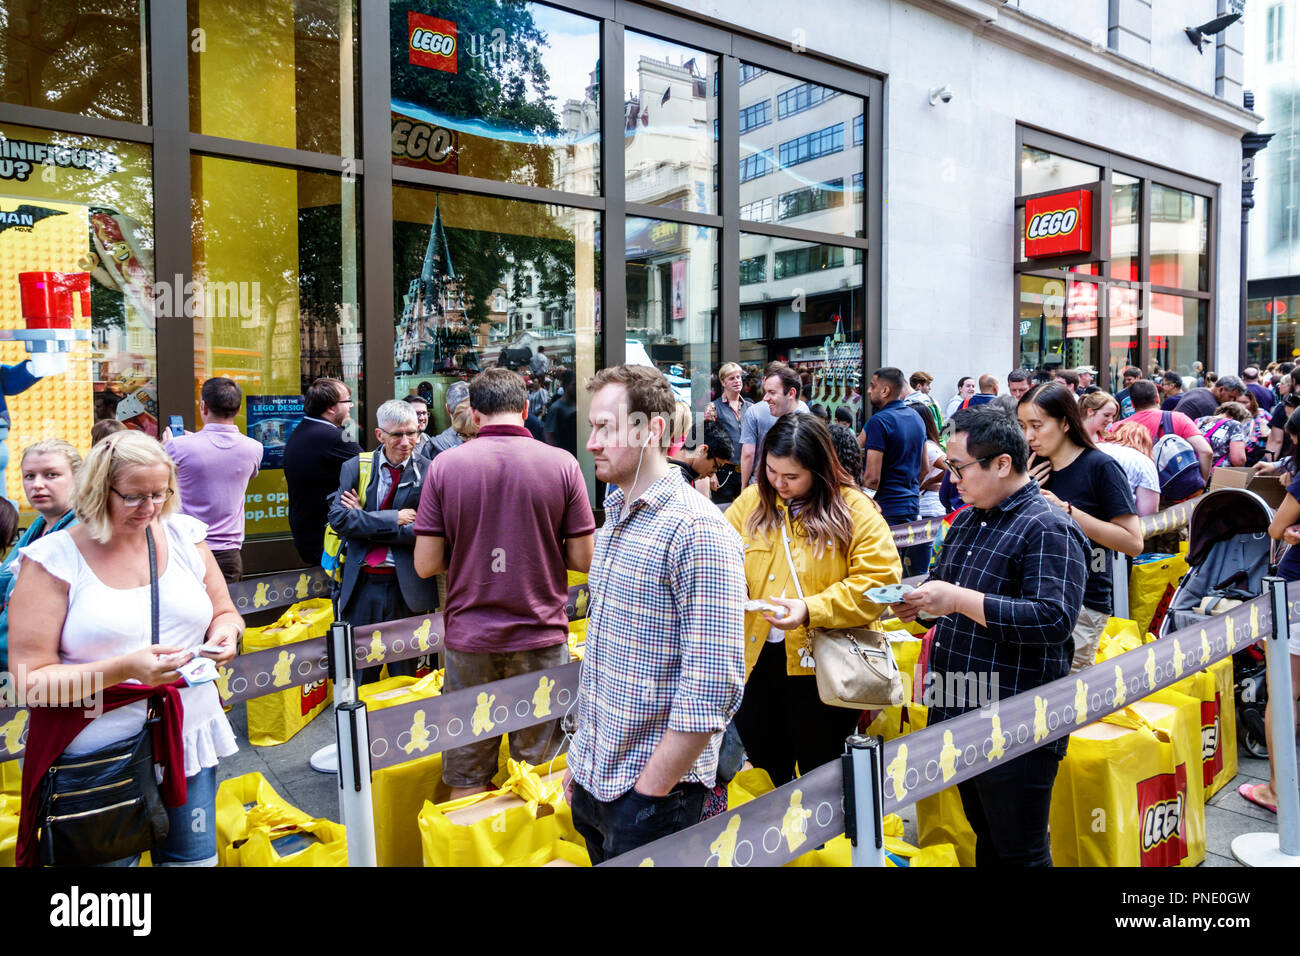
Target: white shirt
[[1139, 468], [92, 634]]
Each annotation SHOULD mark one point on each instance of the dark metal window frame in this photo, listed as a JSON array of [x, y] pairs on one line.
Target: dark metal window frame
[[1147, 175], [742, 57]]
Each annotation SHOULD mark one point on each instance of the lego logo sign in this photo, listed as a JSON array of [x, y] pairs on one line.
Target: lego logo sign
[[1058, 225], [1161, 800], [1211, 740], [432, 42]]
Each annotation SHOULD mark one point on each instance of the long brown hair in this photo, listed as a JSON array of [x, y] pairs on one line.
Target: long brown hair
[[824, 515]]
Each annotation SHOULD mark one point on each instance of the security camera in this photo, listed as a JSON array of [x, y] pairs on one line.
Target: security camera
[[941, 94]]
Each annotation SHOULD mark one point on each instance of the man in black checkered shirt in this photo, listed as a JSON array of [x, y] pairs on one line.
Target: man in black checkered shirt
[[1007, 590]]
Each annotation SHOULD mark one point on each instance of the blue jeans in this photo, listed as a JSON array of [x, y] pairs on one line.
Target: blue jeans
[[633, 820], [1008, 806], [192, 835]]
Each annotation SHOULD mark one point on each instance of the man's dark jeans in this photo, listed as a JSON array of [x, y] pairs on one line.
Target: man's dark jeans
[[1008, 806], [633, 820]]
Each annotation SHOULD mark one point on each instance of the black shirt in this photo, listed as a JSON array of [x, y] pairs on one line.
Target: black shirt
[[1197, 403], [1030, 561], [1095, 483]]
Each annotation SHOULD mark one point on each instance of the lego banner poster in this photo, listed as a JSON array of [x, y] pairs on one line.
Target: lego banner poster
[[271, 419], [44, 302], [77, 293]]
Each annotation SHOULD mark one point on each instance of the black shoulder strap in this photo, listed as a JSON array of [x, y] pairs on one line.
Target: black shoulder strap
[[153, 586]]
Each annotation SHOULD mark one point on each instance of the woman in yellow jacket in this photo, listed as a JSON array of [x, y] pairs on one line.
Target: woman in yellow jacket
[[840, 546]]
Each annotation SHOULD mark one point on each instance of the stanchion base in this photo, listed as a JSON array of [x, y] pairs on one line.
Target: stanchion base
[[1261, 849], [326, 760]]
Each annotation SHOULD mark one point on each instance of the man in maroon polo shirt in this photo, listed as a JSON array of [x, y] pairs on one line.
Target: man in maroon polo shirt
[[504, 516]]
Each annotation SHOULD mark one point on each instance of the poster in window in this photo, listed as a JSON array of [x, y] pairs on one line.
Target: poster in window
[[679, 289]]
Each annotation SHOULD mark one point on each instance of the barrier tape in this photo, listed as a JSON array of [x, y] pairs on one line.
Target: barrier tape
[[279, 590], [424, 727], [928, 761], [276, 669], [924, 530], [768, 831]]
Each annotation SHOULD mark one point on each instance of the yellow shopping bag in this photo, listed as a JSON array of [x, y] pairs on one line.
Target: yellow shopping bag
[[246, 802], [275, 718], [577, 638], [1213, 689], [9, 806], [506, 827], [312, 844], [1151, 586], [11, 777], [1120, 636], [1122, 794]]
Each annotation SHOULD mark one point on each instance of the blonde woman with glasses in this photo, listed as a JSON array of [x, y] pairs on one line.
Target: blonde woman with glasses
[[81, 614]]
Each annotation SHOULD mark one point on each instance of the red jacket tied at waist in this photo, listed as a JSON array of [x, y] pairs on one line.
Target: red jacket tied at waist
[[51, 729]]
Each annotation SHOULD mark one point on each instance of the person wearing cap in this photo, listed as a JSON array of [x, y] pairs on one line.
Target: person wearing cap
[[425, 440], [449, 438], [1086, 374]]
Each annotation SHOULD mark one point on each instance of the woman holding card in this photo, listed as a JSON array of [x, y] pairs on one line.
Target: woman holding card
[[82, 617], [838, 546]]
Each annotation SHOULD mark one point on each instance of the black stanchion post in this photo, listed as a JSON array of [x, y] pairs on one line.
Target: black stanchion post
[[352, 753], [864, 798], [1281, 848]]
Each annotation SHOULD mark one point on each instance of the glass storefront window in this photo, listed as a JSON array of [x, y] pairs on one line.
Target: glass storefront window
[[497, 89], [1178, 329], [1271, 329], [1041, 171], [78, 302], [274, 71], [480, 282], [275, 303], [803, 168], [1124, 305], [672, 306], [1125, 226], [810, 312], [75, 56], [1058, 323], [669, 140], [1179, 239]]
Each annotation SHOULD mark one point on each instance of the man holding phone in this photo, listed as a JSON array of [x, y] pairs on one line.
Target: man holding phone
[[1006, 591], [213, 468]]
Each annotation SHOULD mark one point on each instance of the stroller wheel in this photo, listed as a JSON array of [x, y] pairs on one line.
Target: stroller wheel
[[1252, 742]]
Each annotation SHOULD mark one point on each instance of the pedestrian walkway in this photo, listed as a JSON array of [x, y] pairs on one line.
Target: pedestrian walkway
[[285, 767]]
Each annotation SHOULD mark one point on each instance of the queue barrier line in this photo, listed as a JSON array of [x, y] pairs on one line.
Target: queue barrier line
[[276, 669], [930, 760]]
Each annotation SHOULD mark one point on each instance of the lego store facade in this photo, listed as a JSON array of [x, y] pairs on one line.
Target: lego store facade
[[401, 194]]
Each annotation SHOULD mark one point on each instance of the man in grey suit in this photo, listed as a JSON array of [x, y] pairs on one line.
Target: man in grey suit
[[379, 579]]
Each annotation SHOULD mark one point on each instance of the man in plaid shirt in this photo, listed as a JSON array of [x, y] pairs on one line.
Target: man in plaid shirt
[[664, 666], [1007, 590]]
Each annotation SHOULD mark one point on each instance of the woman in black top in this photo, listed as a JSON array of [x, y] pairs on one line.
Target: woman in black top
[[1090, 487]]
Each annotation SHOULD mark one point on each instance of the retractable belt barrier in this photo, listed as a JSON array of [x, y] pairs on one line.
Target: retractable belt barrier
[[271, 671], [924, 530], [278, 590], [766, 831]]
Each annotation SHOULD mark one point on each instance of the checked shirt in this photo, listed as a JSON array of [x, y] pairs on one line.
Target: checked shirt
[[1030, 561], [665, 635]]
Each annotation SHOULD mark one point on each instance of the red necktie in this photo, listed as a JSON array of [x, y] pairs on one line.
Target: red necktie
[[376, 556]]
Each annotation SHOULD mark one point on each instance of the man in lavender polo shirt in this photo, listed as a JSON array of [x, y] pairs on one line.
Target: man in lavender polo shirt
[[213, 468], [504, 516]]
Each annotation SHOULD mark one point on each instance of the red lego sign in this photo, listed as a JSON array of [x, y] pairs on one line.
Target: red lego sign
[[431, 42], [1162, 800], [1211, 739], [1059, 224]]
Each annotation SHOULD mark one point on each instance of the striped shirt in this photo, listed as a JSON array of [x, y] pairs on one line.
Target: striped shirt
[[1030, 561], [665, 635]]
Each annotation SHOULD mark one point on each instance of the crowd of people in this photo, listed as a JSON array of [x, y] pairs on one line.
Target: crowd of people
[[747, 499]]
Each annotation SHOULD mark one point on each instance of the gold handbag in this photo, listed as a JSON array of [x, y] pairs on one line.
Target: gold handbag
[[855, 666]]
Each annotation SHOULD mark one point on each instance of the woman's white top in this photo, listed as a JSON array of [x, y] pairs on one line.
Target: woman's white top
[[104, 622], [1139, 468], [931, 506]]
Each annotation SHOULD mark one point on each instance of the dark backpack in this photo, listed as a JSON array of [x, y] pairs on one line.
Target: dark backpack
[[1177, 466]]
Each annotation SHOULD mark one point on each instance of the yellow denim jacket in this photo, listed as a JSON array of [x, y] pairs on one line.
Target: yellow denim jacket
[[833, 584]]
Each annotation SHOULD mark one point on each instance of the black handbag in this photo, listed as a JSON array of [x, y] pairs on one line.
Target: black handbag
[[105, 806]]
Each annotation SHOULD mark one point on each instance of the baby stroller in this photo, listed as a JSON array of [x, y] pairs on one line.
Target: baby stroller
[[1229, 553]]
